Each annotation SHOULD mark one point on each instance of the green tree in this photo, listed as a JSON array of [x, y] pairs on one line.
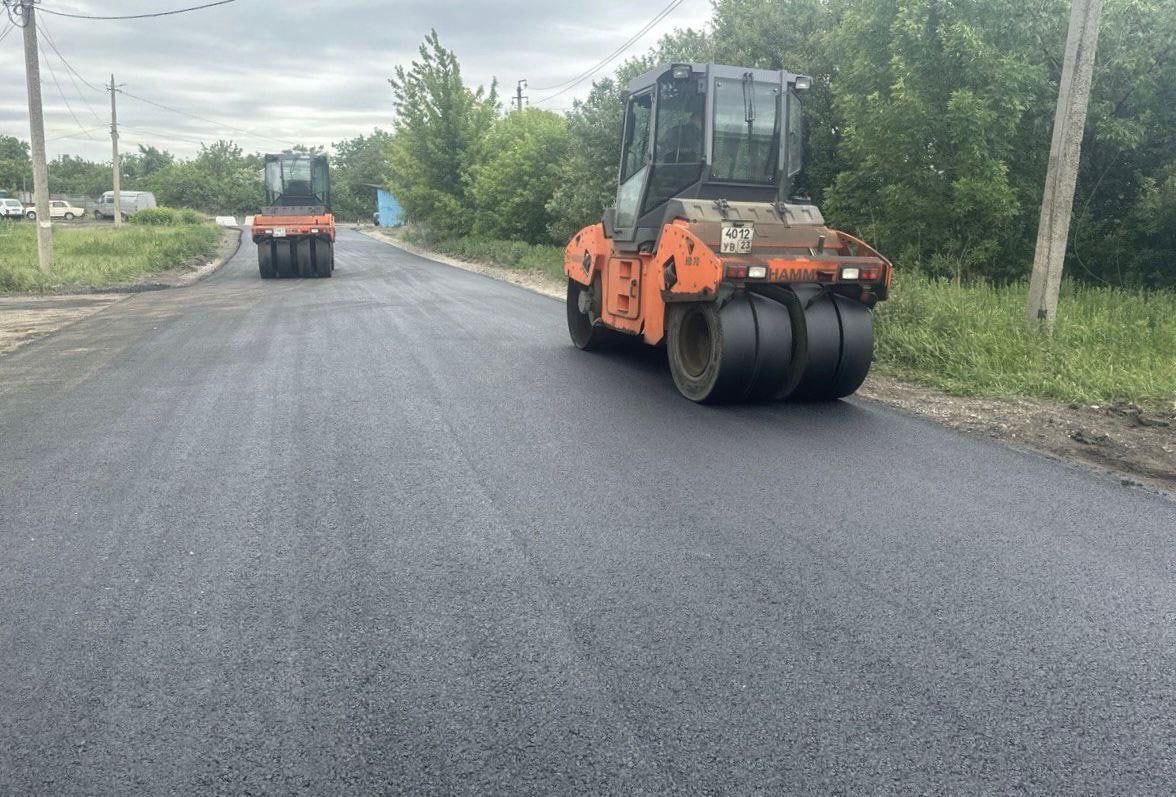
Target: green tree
[[941, 106], [221, 179], [518, 172], [436, 136], [16, 169], [358, 163], [588, 177], [138, 166], [75, 176]]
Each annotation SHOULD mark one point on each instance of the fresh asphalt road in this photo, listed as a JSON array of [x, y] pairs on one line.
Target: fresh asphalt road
[[391, 532]]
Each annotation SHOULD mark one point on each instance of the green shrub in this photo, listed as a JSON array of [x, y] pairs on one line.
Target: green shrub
[[166, 217]]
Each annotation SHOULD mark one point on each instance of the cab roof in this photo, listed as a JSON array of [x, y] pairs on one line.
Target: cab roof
[[707, 69]]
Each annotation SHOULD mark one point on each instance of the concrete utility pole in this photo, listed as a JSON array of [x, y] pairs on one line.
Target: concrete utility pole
[[114, 145], [522, 84], [1057, 205], [37, 137]]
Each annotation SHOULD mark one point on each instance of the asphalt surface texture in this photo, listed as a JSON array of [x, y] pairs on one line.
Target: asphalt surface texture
[[391, 532]]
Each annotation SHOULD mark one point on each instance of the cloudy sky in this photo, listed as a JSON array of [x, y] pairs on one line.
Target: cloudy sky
[[274, 71]]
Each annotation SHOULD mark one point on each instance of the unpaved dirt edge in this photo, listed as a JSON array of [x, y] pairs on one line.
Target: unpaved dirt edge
[[28, 317], [1134, 446]]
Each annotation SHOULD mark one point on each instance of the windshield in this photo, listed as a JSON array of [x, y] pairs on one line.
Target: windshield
[[297, 180], [747, 131]]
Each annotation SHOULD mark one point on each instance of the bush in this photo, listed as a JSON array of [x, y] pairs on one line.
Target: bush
[[167, 217]]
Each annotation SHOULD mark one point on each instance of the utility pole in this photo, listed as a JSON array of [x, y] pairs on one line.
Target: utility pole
[[522, 84], [114, 146], [1057, 204], [27, 14]]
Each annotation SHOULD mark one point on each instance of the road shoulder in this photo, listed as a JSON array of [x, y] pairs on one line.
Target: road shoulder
[[1134, 446], [27, 317]]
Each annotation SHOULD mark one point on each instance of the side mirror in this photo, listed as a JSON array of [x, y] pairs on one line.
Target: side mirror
[[609, 220]]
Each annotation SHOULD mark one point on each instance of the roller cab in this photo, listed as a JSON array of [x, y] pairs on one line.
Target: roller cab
[[754, 296], [295, 231]]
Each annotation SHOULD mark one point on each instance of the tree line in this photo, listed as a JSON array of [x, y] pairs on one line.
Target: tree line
[[220, 179], [927, 133]]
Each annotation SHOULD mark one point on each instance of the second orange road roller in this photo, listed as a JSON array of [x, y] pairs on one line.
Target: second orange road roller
[[295, 231], [755, 298]]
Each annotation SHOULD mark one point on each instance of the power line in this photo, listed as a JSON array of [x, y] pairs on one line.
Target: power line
[[71, 136], [60, 93], [11, 27], [138, 16], [204, 118], [570, 84], [69, 71], [186, 138], [68, 65]]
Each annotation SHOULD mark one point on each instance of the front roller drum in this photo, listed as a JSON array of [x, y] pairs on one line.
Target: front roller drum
[[583, 309], [324, 257]]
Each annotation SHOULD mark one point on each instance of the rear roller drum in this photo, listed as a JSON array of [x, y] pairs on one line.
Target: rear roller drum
[[712, 350], [774, 349], [840, 339], [324, 258], [283, 258], [305, 258], [857, 346], [265, 260]]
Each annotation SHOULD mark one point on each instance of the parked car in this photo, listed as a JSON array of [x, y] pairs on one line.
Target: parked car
[[58, 209], [131, 202], [11, 208]]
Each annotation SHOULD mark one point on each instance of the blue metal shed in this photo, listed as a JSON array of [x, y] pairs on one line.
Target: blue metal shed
[[388, 210]]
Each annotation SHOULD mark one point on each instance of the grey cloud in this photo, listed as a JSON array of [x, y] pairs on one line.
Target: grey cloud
[[301, 71]]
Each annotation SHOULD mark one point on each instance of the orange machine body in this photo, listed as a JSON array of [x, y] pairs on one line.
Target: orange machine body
[[635, 288], [316, 225]]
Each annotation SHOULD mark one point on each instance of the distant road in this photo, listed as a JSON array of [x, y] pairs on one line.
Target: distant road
[[391, 532]]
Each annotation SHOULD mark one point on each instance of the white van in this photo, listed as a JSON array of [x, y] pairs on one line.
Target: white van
[[131, 203], [10, 208]]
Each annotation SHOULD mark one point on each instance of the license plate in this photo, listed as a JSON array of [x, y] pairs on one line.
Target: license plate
[[736, 239], [279, 232]]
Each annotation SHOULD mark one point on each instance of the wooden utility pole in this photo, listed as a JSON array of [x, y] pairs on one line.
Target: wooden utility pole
[[114, 145], [522, 84], [1057, 204], [44, 221]]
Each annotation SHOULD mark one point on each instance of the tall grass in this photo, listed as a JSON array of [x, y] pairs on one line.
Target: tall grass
[[509, 254], [99, 255], [1108, 344]]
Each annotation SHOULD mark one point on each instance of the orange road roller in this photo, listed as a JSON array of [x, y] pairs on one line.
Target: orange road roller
[[295, 232], [754, 297]]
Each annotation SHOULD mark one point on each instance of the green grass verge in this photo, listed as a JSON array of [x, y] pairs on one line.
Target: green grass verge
[[508, 254], [1108, 344], [88, 256]]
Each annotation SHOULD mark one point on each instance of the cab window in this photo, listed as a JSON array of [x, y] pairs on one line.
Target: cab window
[[747, 130], [637, 119], [681, 139]]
